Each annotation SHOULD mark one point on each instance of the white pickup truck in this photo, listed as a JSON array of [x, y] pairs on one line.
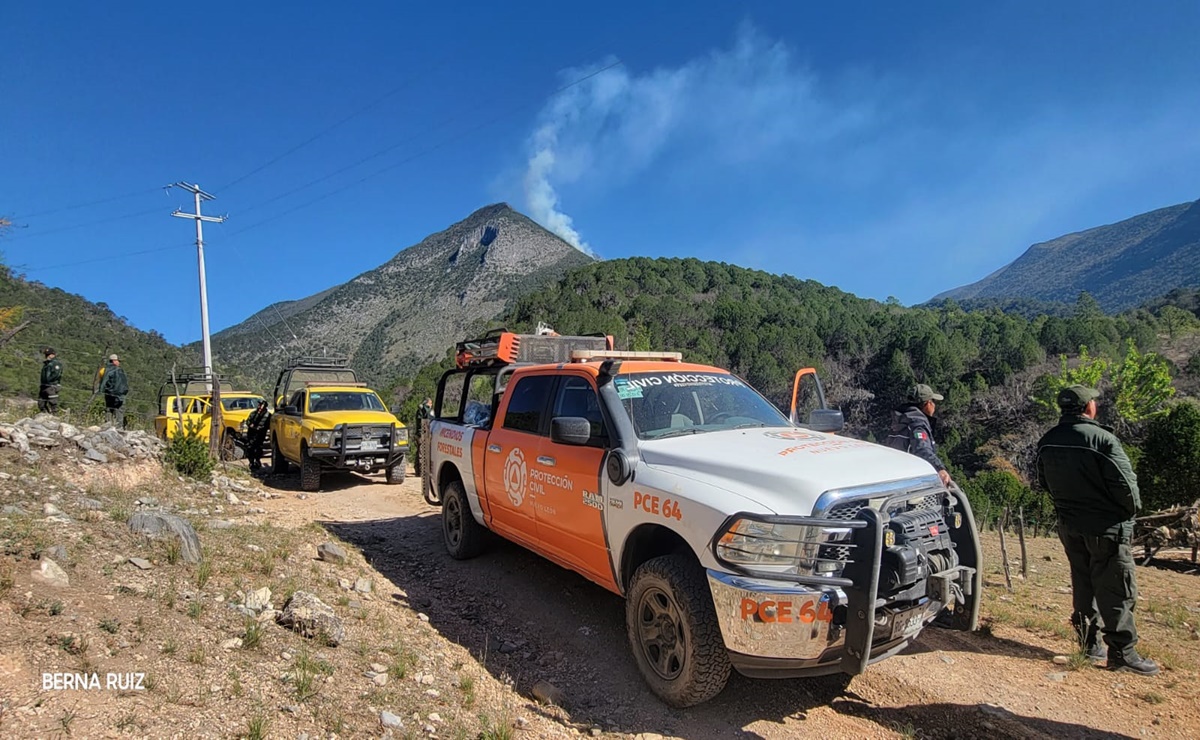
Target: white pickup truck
[[738, 539]]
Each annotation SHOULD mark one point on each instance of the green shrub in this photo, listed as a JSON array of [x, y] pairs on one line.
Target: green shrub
[[188, 454]]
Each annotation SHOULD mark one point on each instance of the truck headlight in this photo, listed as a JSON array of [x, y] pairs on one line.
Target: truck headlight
[[784, 548], [243, 427], [322, 437], [400, 434]]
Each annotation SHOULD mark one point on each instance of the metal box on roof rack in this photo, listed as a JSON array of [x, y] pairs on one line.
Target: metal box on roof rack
[[502, 347]]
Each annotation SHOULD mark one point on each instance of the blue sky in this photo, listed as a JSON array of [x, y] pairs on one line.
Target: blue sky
[[888, 149]]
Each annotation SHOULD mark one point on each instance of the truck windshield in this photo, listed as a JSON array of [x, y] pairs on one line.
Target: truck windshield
[[240, 404], [344, 401], [672, 404]]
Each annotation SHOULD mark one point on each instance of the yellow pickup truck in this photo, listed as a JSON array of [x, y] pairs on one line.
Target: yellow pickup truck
[[331, 421], [186, 404]]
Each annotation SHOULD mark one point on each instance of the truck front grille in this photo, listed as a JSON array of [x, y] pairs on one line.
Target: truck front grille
[[368, 438]]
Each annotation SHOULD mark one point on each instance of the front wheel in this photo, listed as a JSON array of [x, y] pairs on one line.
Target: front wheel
[[395, 474], [674, 632], [310, 471], [463, 535]]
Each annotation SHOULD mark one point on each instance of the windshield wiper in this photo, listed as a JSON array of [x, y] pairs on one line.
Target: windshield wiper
[[679, 432], [749, 425]]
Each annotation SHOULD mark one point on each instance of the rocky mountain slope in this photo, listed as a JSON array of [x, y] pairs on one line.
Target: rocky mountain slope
[[1122, 264], [393, 319]]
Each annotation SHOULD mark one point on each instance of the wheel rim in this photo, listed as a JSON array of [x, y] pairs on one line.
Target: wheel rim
[[453, 519], [660, 633]]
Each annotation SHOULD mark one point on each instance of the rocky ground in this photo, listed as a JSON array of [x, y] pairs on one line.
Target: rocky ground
[[251, 609]]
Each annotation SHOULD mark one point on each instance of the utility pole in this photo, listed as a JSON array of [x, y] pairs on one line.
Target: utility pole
[[201, 196]]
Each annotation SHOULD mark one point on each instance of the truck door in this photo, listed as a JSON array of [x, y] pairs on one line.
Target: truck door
[[570, 517], [511, 457], [289, 426]]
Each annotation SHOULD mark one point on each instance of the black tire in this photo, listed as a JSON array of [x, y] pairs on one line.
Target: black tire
[[279, 463], [674, 633], [310, 470], [395, 474], [463, 535], [229, 448]]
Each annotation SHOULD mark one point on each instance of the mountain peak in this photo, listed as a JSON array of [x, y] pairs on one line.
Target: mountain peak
[[394, 318]]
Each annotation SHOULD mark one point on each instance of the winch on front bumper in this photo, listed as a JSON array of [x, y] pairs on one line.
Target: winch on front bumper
[[902, 562]]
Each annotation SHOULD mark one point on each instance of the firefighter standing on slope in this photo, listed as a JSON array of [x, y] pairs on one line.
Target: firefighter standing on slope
[[51, 381]]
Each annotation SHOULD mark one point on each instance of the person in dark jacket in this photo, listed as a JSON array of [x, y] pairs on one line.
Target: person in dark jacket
[[424, 412], [912, 428], [115, 386], [1095, 494], [51, 381], [257, 426]]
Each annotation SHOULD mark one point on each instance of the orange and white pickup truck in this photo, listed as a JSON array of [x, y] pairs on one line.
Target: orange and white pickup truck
[[738, 539]]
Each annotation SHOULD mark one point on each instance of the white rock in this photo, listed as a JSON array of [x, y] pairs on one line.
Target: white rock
[[258, 600], [51, 574]]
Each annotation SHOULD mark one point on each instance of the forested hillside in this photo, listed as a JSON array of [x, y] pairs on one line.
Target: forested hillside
[[997, 370], [83, 333]]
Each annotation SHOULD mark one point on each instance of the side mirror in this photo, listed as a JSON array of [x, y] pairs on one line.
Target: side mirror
[[570, 430], [288, 410], [826, 420]]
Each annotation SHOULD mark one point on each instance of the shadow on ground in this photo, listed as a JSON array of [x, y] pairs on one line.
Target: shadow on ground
[[528, 620], [944, 720]]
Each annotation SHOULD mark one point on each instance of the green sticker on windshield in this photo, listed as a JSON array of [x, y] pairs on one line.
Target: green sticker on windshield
[[625, 390]]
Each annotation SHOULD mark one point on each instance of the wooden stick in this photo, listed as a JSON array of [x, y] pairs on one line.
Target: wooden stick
[[1004, 552], [1021, 537]]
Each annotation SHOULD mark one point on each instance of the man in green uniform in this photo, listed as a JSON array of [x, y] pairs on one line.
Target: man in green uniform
[[51, 381], [115, 387], [1095, 494]]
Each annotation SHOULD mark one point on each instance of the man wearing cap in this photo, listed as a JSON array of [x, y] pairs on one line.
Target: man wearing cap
[[51, 381], [912, 428], [115, 387], [1095, 494]]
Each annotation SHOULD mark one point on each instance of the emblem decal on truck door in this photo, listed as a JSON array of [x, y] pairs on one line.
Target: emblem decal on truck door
[[515, 476]]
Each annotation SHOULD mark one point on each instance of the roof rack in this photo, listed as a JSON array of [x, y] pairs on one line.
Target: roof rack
[[507, 348], [309, 383], [337, 361], [584, 355]]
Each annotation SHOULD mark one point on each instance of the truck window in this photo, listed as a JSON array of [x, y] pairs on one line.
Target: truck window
[[527, 403], [576, 397], [481, 395], [452, 396]]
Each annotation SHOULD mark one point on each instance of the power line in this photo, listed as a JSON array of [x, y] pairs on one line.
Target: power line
[[75, 206], [109, 258], [373, 104], [421, 153], [319, 198], [85, 224]]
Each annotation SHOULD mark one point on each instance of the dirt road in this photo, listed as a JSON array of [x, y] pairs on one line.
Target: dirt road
[[526, 619]]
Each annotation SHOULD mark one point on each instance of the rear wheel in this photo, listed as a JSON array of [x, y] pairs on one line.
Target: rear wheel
[[279, 463], [463, 535], [229, 448], [674, 632], [396, 473], [310, 470]]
